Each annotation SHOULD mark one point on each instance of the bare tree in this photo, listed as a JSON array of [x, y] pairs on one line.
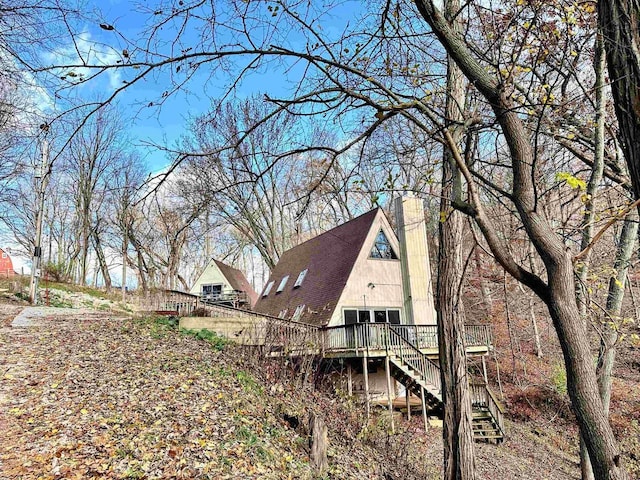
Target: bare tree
[[558, 293]]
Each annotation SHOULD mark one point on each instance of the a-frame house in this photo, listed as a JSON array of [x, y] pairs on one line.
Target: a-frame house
[[368, 292], [220, 283], [359, 296]]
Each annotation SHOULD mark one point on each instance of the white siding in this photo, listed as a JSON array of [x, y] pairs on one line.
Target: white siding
[[374, 282], [210, 276]]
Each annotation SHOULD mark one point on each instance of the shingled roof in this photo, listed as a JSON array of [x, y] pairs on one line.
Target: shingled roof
[[328, 259], [237, 280]]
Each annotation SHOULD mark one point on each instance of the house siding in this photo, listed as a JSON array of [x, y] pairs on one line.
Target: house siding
[[373, 282], [211, 276]]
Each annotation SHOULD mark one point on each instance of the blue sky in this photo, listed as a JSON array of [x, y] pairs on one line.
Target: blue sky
[[167, 124]]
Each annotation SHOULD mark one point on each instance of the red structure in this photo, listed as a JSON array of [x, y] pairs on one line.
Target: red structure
[[6, 265]]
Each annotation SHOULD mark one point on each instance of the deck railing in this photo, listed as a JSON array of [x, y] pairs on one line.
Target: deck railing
[[358, 337], [234, 298], [372, 336], [291, 336], [482, 396], [478, 335]]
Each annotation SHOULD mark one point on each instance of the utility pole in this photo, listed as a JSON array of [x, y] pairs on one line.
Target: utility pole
[[41, 176]]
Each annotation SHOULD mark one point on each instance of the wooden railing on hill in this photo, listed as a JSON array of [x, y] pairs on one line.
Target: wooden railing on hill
[[483, 397], [358, 337], [182, 303]]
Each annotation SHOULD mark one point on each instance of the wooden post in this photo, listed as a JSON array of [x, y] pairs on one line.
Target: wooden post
[[406, 392], [349, 379], [387, 368], [484, 371], [318, 442], [424, 410], [365, 371]]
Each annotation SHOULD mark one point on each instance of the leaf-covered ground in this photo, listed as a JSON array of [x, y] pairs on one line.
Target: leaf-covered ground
[[89, 396], [116, 398]]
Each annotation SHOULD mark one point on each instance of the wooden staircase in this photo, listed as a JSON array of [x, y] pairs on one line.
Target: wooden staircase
[[419, 374]]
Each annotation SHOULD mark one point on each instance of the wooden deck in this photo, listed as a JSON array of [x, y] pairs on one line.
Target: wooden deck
[[409, 351]]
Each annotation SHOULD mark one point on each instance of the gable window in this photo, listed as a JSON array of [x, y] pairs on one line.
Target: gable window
[[212, 291], [298, 313], [283, 282], [382, 248], [268, 288], [301, 276]]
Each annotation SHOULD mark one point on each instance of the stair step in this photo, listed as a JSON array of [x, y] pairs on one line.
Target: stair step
[[481, 417]]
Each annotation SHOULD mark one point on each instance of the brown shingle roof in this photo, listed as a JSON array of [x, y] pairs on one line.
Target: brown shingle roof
[[238, 281], [329, 259]]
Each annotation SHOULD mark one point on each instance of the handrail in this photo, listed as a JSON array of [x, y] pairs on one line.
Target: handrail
[[412, 356], [476, 335]]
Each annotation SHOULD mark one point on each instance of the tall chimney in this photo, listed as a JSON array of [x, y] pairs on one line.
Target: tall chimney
[[414, 255]]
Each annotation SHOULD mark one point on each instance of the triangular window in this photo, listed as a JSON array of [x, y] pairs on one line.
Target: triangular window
[[382, 248]]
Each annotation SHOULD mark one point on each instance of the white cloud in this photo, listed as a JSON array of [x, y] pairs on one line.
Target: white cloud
[[85, 49]]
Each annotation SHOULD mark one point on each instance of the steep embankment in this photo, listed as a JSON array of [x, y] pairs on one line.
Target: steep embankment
[[92, 396]]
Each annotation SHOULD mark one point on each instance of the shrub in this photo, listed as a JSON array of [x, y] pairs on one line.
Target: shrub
[[559, 379], [55, 271], [216, 341]]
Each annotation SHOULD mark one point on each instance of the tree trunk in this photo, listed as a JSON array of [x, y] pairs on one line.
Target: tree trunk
[[595, 178], [532, 312], [615, 296], [487, 301], [607, 352], [125, 248], [590, 210], [619, 21], [457, 429], [102, 261], [85, 238], [582, 384], [559, 292]]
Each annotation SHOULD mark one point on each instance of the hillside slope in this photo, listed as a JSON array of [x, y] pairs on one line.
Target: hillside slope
[[92, 396]]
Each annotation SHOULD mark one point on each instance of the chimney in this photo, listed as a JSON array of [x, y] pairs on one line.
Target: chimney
[[414, 255]]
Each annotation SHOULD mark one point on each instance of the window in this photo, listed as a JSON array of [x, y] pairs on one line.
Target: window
[[382, 248], [380, 315], [4, 255], [301, 276], [298, 313], [283, 313], [283, 282], [267, 289], [350, 317], [393, 316], [212, 291]]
